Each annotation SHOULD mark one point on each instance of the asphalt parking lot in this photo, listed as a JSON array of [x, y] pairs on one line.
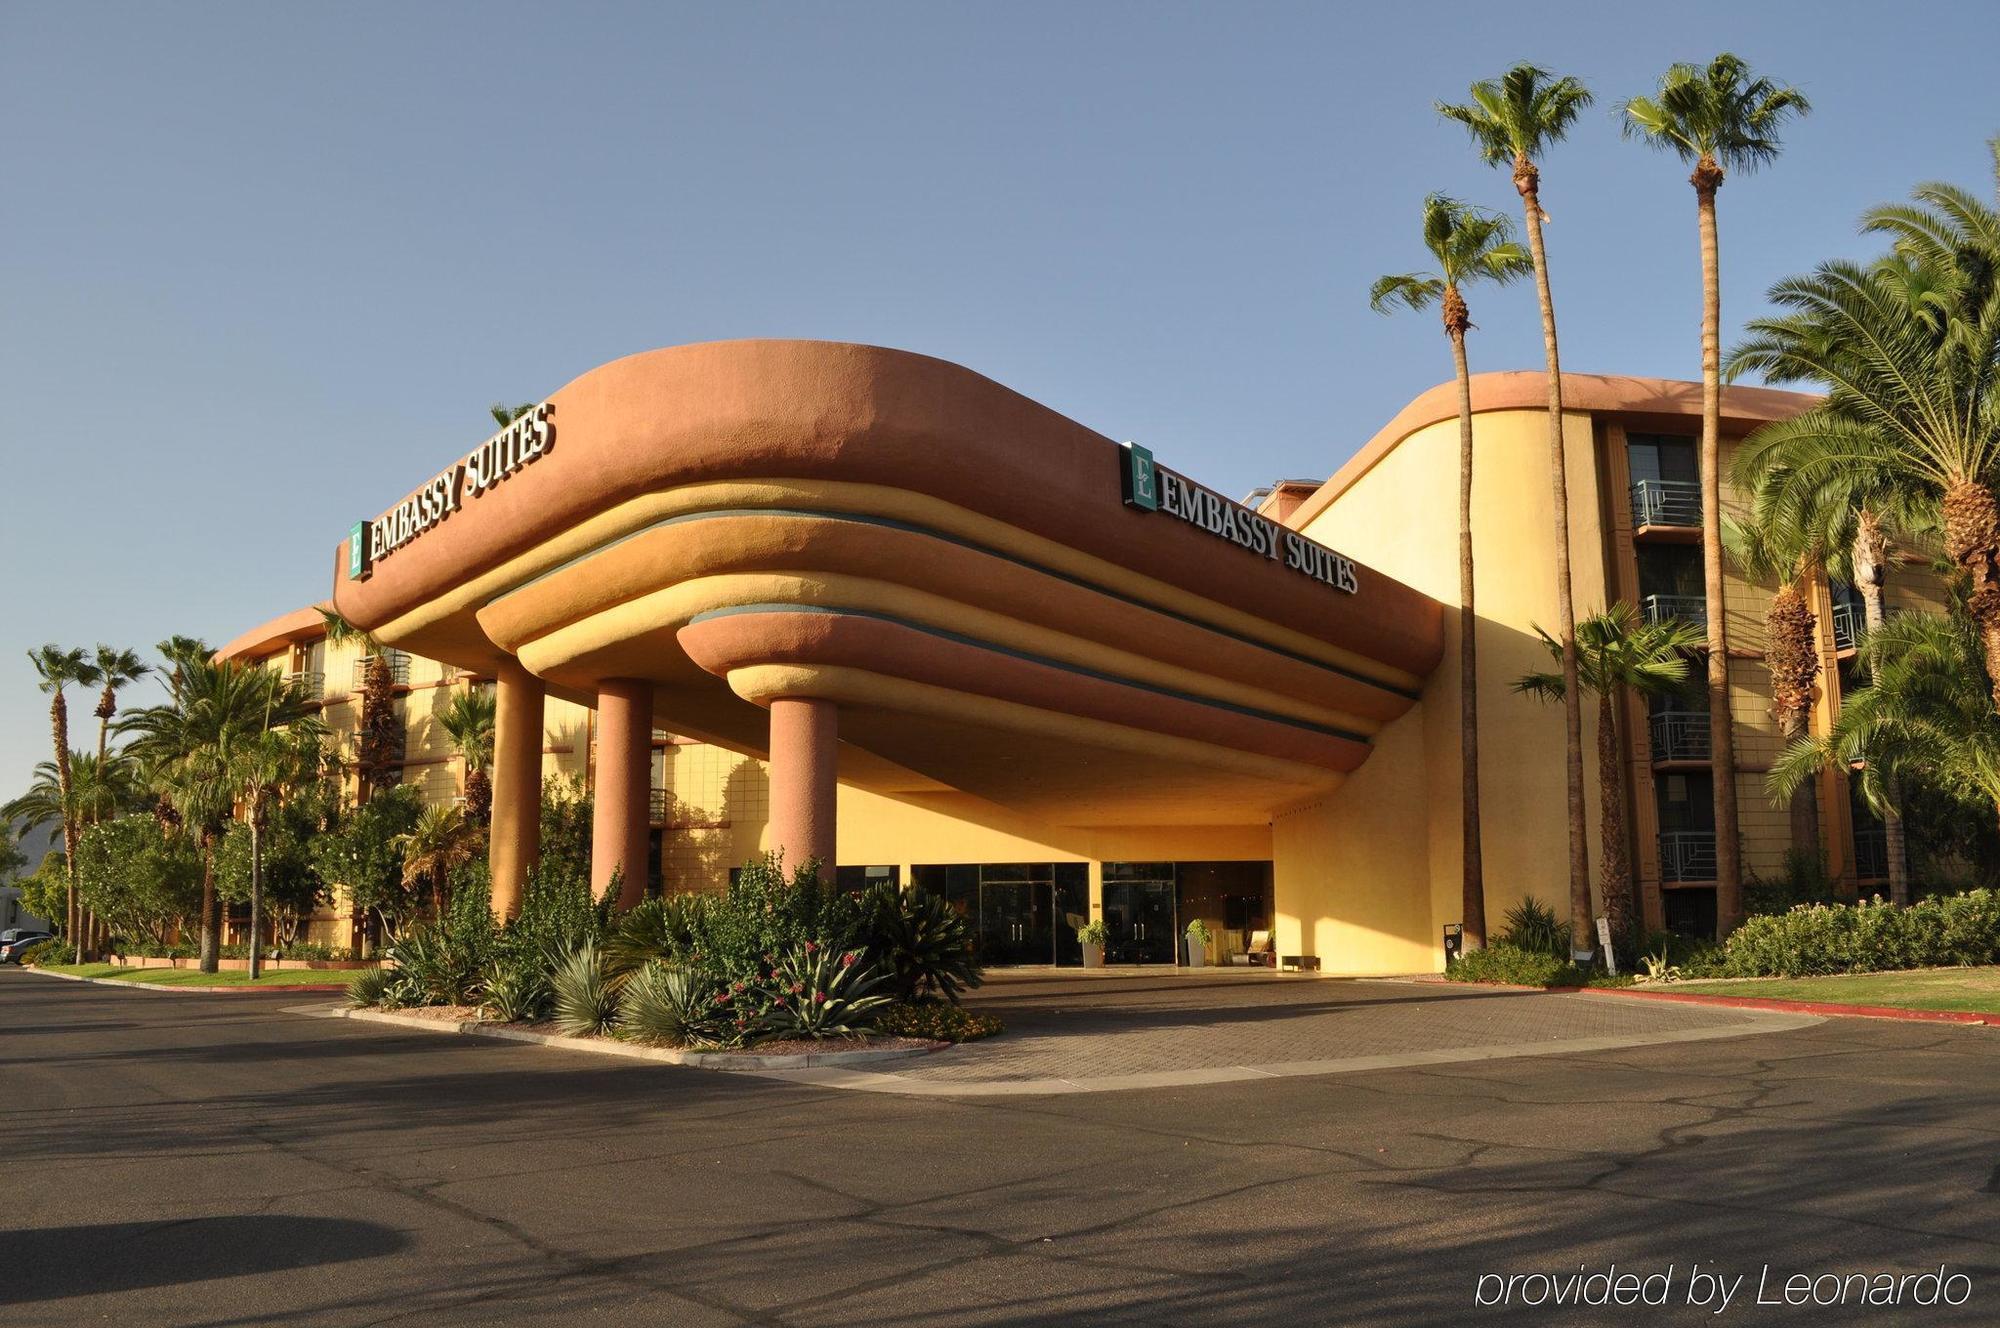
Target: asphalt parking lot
[[180, 1159]]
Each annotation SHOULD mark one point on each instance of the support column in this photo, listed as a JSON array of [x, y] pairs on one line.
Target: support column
[[621, 817], [803, 793], [515, 842]]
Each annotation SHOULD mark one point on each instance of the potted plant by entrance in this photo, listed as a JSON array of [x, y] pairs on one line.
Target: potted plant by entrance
[[1197, 944], [1092, 935]]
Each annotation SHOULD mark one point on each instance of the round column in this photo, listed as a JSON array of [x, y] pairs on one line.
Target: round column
[[515, 832], [803, 791], [622, 812]]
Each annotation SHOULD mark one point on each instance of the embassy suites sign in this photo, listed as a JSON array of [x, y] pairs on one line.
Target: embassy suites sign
[[1152, 488], [528, 439]]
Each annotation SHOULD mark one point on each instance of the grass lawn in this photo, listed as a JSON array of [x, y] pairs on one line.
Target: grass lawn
[[194, 977], [1919, 989]]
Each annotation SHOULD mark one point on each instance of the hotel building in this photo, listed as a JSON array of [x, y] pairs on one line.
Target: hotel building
[[870, 608]]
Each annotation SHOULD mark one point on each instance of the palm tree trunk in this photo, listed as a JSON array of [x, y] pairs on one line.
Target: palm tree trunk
[[1972, 540], [1791, 655], [59, 730], [1528, 180], [1871, 557], [211, 920], [1614, 866], [1721, 725], [255, 965], [1474, 881]]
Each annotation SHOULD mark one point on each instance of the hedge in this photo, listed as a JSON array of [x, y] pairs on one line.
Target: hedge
[[1871, 936]]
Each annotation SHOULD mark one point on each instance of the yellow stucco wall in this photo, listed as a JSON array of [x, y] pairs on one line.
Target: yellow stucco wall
[[1401, 518]]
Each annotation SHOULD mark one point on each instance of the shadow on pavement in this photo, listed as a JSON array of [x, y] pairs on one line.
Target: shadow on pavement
[[55, 1263]]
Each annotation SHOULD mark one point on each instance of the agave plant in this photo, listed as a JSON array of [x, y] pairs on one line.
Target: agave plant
[[586, 993], [367, 987], [516, 993], [815, 991], [923, 942], [668, 1004]]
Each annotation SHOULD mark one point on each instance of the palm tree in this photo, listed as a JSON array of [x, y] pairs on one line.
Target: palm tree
[[1513, 121], [98, 792], [189, 747], [378, 743], [181, 651], [1788, 554], [262, 769], [504, 415], [116, 669], [1617, 654], [468, 721], [1469, 245], [1926, 713], [1721, 119], [440, 840], [58, 669]]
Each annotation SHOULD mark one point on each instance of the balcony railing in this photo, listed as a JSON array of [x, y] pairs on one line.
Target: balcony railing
[[1687, 855], [1848, 621], [399, 668], [311, 682], [1871, 852], [1681, 735], [658, 807], [1689, 608], [1666, 503]]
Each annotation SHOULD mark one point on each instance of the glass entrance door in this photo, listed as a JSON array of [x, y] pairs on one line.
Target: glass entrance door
[[1139, 915], [1016, 922]]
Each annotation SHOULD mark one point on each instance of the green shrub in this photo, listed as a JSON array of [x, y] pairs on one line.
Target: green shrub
[[816, 991], [1093, 932], [1803, 880], [585, 995], [436, 964], [1694, 956], [1507, 963], [1870, 936], [740, 934], [921, 941], [1533, 926], [367, 987], [516, 992], [664, 929], [938, 1021], [676, 1006], [44, 953]]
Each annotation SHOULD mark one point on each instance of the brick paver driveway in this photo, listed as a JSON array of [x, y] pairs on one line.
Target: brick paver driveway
[[1076, 1032]]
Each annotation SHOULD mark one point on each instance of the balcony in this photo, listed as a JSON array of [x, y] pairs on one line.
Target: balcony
[[657, 812], [1666, 503], [1848, 622], [399, 668], [1688, 608], [1871, 852], [310, 682], [1680, 735], [1687, 855]]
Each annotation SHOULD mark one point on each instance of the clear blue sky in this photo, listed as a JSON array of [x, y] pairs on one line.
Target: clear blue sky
[[263, 267]]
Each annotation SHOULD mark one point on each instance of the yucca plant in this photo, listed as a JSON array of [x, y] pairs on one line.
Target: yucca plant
[[1533, 926], [515, 992], [439, 967], [586, 995], [922, 942], [661, 1003], [815, 991], [367, 987]]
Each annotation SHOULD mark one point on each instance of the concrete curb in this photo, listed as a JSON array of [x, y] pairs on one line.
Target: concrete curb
[[175, 989], [1833, 1008], [700, 1060]]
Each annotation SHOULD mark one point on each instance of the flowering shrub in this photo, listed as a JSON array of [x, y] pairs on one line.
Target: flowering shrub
[[817, 991], [938, 1021]]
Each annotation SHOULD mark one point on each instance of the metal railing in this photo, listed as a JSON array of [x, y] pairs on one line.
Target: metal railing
[[1848, 621], [1681, 735], [1871, 852], [399, 668], [657, 807], [309, 681], [1687, 855], [1689, 608], [1666, 503]]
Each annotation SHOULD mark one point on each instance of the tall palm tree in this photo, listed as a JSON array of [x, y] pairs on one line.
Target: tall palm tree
[[97, 792], [1617, 653], [1513, 121], [469, 722], [440, 840], [504, 415], [116, 669], [189, 747], [1720, 118], [181, 651], [1926, 713], [58, 669], [1469, 245]]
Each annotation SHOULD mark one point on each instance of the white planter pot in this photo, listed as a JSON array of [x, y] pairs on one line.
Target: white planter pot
[[1197, 952], [1093, 956]]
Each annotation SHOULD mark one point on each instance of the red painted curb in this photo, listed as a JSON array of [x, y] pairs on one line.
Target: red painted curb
[[1807, 1007]]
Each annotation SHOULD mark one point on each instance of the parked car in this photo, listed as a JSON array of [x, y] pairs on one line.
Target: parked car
[[16, 939]]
